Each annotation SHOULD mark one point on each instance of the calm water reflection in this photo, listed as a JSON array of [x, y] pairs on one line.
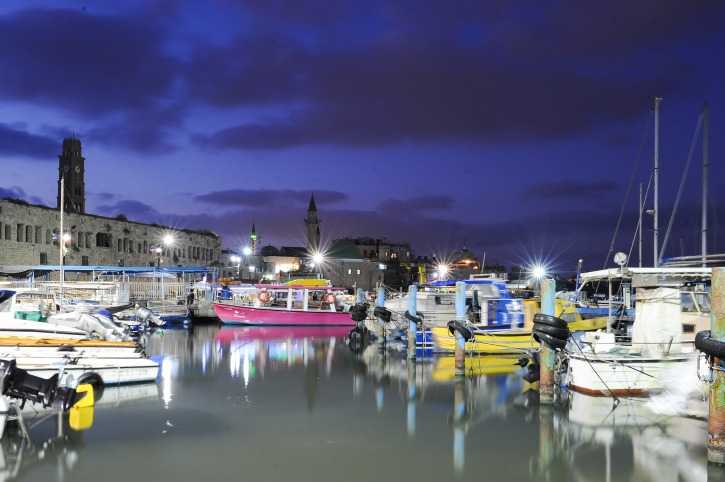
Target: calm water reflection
[[285, 404]]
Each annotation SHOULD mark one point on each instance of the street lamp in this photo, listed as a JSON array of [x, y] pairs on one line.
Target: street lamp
[[158, 250], [443, 270], [246, 251]]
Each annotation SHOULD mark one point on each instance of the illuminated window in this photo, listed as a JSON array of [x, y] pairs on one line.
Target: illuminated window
[[358, 271]]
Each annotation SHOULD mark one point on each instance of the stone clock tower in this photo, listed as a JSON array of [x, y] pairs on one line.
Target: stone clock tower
[[71, 167]]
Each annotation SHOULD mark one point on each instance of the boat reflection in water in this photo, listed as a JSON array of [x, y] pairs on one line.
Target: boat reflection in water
[[597, 440], [54, 441]]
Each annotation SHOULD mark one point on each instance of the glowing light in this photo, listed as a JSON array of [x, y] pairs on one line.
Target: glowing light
[[235, 259], [252, 268], [158, 250], [538, 271], [67, 237], [168, 239], [443, 270], [246, 251], [318, 258]]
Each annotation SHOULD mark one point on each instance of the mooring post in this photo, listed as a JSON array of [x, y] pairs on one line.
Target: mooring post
[[412, 328], [461, 317], [380, 301], [547, 356], [716, 419]]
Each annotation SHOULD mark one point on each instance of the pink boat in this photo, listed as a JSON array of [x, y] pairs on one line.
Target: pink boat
[[298, 309]]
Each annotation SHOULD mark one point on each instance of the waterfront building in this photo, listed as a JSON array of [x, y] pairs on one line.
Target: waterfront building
[[29, 232], [312, 222]]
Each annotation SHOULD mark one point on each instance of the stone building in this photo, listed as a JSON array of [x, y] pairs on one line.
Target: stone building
[[29, 232]]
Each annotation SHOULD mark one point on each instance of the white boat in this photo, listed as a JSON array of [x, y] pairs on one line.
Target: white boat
[[656, 357]]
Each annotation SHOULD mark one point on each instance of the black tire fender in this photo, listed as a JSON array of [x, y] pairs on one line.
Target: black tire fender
[[705, 343], [96, 381], [549, 340], [560, 333], [457, 326], [383, 313], [543, 319], [418, 320]]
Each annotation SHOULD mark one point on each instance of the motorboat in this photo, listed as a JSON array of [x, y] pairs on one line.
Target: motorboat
[[297, 303]]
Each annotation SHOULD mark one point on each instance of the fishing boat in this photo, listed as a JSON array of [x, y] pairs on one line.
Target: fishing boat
[[485, 341], [652, 355], [489, 302], [297, 303]]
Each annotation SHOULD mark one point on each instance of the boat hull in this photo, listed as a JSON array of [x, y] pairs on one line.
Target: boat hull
[[607, 376], [248, 315], [489, 342]]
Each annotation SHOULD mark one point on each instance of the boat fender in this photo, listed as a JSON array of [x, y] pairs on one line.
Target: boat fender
[[359, 312], [96, 381], [383, 313], [418, 320], [549, 340], [560, 333], [457, 326], [543, 319], [705, 343], [264, 297]]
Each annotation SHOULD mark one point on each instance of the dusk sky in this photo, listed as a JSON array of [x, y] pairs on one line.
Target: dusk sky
[[509, 127]]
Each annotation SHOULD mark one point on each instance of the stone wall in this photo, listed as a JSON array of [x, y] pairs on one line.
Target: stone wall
[[27, 234], [353, 273]]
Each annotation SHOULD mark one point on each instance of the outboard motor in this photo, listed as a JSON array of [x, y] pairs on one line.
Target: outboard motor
[[21, 385]]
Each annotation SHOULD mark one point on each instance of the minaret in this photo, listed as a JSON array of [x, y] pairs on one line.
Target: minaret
[[253, 240], [313, 226], [71, 167]]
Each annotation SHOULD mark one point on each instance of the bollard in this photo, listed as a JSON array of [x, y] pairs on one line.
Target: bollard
[[412, 328], [716, 419], [380, 301], [460, 316], [547, 356]]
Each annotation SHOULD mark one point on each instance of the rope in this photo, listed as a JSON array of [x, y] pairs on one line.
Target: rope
[[636, 230], [682, 185]]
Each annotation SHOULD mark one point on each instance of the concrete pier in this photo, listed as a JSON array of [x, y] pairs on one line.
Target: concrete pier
[[547, 356], [716, 419]]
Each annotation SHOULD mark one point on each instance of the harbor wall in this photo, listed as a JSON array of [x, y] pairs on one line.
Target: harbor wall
[[28, 236]]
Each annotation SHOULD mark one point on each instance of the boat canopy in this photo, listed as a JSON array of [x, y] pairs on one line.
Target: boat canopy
[[478, 281], [661, 274]]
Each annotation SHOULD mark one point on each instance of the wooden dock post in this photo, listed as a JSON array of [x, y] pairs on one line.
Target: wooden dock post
[[412, 328], [547, 356], [716, 419], [380, 301], [461, 317]]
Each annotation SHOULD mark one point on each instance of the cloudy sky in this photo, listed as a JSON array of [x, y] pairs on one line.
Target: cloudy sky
[[510, 127]]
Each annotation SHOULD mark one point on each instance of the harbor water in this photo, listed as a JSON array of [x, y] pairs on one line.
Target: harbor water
[[273, 404]]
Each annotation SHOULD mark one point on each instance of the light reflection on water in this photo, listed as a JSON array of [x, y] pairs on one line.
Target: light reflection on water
[[297, 404]]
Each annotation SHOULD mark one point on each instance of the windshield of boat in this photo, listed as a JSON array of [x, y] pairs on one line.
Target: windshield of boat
[[688, 303], [703, 300]]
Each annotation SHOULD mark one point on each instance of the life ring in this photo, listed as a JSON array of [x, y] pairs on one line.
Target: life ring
[[264, 296]]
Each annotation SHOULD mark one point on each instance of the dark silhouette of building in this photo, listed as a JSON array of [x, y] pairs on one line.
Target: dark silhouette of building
[[313, 227], [71, 168]]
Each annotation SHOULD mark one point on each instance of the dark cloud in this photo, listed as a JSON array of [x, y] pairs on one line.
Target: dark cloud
[[95, 66], [134, 210], [418, 203], [16, 192], [17, 142], [269, 197], [570, 189], [442, 72]]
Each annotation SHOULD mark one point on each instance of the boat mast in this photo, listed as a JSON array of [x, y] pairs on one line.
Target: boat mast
[[655, 211], [639, 223], [705, 177], [61, 238]]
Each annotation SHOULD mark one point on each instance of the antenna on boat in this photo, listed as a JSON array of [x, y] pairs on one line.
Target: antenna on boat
[[705, 177], [655, 211], [61, 237]]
